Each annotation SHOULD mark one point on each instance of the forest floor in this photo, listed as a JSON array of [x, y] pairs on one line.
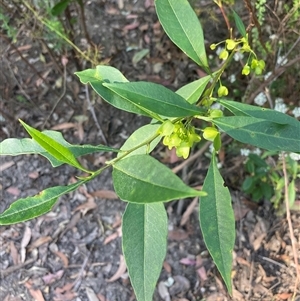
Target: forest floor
[[74, 252]]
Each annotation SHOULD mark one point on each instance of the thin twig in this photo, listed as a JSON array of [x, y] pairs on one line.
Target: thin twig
[[24, 59], [91, 109], [59, 98], [291, 230], [20, 86], [193, 157], [273, 261], [17, 267]]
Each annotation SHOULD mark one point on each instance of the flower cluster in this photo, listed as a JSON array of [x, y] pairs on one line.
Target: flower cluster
[[241, 46], [179, 136]]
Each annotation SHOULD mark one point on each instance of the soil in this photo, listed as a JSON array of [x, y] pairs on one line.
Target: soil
[[74, 252]]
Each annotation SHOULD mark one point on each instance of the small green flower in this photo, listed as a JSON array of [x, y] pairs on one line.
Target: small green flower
[[183, 150], [246, 47], [222, 91], [172, 141], [215, 113], [223, 54], [230, 44]]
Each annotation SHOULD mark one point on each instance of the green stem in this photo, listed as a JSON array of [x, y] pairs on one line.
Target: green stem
[[208, 93]]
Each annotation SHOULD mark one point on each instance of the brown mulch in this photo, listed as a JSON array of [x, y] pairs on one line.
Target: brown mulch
[[74, 252]]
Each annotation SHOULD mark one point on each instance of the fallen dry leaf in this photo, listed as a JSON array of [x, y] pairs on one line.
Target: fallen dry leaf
[[163, 291], [6, 165], [101, 297], [63, 258], [113, 236], [202, 273], [87, 206], [36, 294], [257, 242], [105, 194], [14, 253], [39, 242], [24, 243], [283, 296], [178, 235], [13, 190], [33, 175], [63, 126], [167, 267], [188, 261], [121, 270], [49, 278], [242, 261]]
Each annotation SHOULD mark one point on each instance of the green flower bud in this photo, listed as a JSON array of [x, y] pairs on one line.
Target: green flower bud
[[222, 91], [261, 64], [216, 113], [166, 129], [210, 133], [258, 71], [213, 46], [246, 70], [254, 64]]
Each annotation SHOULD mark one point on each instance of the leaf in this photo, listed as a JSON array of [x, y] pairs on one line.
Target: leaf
[[59, 8], [193, 91], [217, 221], [241, 109], [15, 147], [139, 55], [141, 135], [155, 98], [144, 242], [142, 179], [239, 24], [34, 206], [181, 24], [261, 133], [54, 148], [106, 74]]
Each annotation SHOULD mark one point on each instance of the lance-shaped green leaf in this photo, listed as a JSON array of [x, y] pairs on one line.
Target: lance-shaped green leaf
[[107, 74], [239, 24], [25, 146], [34, 206], [155, 98], [142, 179], [217, 222], [181, 24], [261, 133], [193, 91], [140, 136], [241, 109], [54, 148], [144, 242]]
